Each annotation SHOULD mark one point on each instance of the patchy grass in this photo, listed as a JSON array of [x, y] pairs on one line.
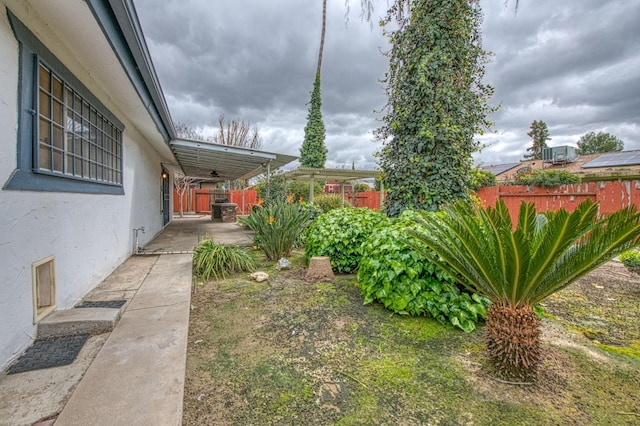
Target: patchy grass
[[289, 352]]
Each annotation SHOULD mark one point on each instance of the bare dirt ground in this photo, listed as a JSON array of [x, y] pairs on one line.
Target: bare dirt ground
[[286, 352]]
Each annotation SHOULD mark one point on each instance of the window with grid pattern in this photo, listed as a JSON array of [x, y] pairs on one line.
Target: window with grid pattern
[[68, 141], [74, 138]]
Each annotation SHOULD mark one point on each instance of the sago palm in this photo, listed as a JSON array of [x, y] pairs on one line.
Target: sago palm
[[517, 268]]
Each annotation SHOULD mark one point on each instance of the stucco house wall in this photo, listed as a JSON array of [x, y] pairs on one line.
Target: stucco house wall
[[89, 234]]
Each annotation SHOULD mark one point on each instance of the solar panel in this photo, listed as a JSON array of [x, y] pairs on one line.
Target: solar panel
[[614, 159], [499, 168]]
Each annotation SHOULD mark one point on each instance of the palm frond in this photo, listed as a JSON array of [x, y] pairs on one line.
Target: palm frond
[[606, 238], [519, 267]]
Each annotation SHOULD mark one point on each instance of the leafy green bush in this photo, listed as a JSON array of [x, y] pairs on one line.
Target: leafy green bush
[[328, 202], [213, 261], [277, 188], [338, 234], [481, 179], [547, 178], [361, 187], [313, 210], [631, 260], [277, 226], [406, 283], [299, 189]]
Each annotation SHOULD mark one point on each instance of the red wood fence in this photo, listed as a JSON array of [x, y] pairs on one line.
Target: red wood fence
[[369, 199], [199, 200], [612, 196]]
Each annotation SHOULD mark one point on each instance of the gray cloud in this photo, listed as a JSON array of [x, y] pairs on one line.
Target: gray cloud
[[572, 64]]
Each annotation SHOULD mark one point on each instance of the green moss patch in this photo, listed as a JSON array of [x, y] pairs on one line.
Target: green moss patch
[[291, 352]]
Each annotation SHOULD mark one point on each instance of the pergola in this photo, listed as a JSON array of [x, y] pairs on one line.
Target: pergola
[[219, 163], [336, 175]]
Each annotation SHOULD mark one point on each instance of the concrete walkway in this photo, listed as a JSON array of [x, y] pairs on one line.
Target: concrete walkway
[[138, 376], [135, 374]]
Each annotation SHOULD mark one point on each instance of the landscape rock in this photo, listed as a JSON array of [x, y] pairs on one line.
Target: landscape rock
[[260, 276], [283, 264]]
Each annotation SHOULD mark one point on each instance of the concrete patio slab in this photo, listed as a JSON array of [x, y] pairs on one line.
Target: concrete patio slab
[[183, 234]]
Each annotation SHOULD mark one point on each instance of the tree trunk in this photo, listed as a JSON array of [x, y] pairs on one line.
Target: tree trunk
[[324, 27], [513, 341], [181, 195]]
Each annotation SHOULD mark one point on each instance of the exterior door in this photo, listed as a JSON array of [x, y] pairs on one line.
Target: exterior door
[[166, 197]]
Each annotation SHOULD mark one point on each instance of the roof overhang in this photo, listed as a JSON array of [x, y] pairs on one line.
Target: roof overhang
[[223, 162], [338, 175]]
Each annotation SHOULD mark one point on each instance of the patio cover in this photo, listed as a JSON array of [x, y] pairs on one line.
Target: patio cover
[[223, 162], [334, 175]]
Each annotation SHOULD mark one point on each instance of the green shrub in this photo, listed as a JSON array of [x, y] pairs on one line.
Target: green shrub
[[547, 178], [396, 275], [299, 189], [481, 179], [277, 226], [338, 234], [313, 210], [631, 260], [277, 188], [328, 202], [361, 187], [214, 261]]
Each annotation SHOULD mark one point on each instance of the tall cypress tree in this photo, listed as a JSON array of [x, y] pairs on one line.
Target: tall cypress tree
[[313, 152], [436, 103]]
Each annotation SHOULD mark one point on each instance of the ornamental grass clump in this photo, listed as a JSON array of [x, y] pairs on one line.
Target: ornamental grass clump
[[214, 261], [518, 267], [402, 279], [339, 235], [277, 226]]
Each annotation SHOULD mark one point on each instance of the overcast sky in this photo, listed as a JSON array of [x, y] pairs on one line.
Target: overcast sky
[[574, 64]]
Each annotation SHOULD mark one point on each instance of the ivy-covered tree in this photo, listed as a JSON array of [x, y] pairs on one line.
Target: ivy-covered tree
[[540, 134], [592, 143], [436, 102], [313, 152]]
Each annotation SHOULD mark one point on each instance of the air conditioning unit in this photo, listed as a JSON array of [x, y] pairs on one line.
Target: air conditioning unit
[[559, 154]]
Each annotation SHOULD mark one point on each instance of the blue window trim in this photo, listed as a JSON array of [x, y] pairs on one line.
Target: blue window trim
[[24, 178]]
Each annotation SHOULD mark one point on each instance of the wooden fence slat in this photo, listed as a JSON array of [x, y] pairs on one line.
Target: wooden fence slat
[[199, 200], [612, 196]]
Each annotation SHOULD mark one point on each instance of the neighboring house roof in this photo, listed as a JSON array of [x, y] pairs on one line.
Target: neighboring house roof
[[498, 169], [615, 159], [621, 163]]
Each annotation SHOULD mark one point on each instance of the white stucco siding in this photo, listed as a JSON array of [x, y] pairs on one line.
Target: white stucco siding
[[89, 234]]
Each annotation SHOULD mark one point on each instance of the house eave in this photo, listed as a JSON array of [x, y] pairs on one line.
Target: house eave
[[121, 27]]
